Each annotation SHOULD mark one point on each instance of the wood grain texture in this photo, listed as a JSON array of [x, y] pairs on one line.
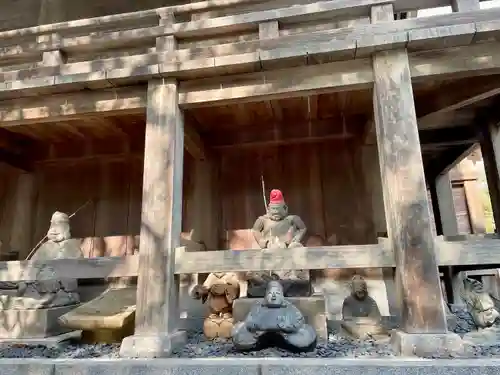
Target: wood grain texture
[[161, 216], [469, 254], [405, 195]]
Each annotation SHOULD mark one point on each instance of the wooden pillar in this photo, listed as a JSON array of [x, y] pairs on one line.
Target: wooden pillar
[[157, 315], [464, 5], [423, 319], [447, 213], [20, 237], [205, 218], [489, 139], [449, 223]]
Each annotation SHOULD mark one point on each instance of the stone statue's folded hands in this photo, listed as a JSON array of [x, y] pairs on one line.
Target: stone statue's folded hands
[[285, 325], [252, 326]]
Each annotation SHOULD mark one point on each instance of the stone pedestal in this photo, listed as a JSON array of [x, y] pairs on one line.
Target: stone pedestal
[[313, 309], [108, 318], [153, 346], [426, 344], [32, 323]]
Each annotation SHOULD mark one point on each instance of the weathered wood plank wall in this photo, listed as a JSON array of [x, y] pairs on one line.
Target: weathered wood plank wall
[[322, 183], [112, 216], [8, 185]]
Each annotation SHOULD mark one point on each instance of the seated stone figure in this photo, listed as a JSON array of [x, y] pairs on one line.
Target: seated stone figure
[[481, 305], [360, 313], [279, 230], [46, 293], [219, 290], [274, 322]]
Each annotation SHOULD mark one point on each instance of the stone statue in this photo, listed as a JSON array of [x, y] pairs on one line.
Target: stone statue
[[274, 321], [481, 305], [360, 313], [52, 292], [219, 290], [279, 230]]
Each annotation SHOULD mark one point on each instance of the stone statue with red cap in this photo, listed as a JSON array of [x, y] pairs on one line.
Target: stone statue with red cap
[[279, 230]]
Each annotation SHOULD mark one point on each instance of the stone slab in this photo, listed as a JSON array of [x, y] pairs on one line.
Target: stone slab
[[313, 309], [426, 344], [152, 346], [35, 323], [488, 336], [50, 341], [113, 309], [250, 366]]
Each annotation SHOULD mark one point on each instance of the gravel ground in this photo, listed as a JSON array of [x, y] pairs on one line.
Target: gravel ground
[[199, 347]]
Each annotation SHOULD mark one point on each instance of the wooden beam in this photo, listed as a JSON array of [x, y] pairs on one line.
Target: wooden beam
[[471, 252], [489, 139], [448, 160], [157, 311], [456, 95], [336, 76], [285, 83], [403, 183], [193, 143], [274, 135], [70, 268], [72, 106], [443, 137]]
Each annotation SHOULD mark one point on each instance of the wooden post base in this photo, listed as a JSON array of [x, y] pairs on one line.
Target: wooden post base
[[426, 344], [141, 346]]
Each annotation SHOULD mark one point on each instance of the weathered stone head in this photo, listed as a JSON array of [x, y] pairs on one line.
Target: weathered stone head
[[359, 288], [471, 285], [274, 294], [59, 229], [277, 209]]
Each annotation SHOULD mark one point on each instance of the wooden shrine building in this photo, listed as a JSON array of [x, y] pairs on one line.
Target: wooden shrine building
[[167, 116]]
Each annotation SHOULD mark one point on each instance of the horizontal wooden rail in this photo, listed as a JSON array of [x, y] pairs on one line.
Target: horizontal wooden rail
[[136, 37], [199, 6], [89, 23], [133, 69], [471, 253]]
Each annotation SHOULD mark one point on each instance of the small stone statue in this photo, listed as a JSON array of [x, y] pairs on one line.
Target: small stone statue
[[274, 321], [48, 293], [360, 313], [220, 289], [279, 230], [481, 305]]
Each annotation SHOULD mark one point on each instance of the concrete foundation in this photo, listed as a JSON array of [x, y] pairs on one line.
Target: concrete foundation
[[250, 366]]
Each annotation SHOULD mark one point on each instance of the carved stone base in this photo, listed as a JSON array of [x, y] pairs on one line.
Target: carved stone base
[[107, 318], [33, 323], [485, 336], [159, 346], [313, 309], [218, 327], [426, 344], [365, 329]]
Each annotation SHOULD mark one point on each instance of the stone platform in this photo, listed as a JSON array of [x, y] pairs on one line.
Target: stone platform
[[254, 366], [313, 309], [107, 318]]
